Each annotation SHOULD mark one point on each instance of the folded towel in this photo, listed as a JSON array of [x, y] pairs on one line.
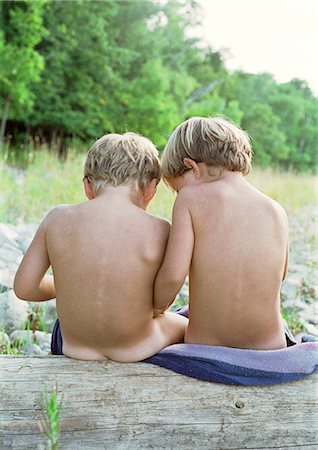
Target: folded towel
[[240, 366]]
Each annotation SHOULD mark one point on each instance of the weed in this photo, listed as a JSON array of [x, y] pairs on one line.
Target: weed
[[37, 317], [50, 425], [294, 323]]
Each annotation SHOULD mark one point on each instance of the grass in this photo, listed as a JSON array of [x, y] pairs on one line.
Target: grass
[[29, 193], [290, 189], [14, 347], [50, 425]]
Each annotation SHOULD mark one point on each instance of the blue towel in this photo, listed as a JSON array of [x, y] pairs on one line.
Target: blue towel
[[239, 366]]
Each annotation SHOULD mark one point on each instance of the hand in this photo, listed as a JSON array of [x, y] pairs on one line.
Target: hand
[[158, 313]]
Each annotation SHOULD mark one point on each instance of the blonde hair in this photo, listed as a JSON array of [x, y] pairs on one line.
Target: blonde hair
[[122, 159], [215, 141]]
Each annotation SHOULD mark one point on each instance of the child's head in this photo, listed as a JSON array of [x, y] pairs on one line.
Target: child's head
[[212, 140], [117, 159]]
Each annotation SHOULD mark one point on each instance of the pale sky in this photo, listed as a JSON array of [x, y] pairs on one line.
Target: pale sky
[[275, 36]]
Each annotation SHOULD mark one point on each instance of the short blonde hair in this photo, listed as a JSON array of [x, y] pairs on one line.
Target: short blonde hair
[[122, 159], [213, 140]]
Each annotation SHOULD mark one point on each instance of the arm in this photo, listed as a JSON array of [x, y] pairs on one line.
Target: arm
[[31, 282], [175, 266]]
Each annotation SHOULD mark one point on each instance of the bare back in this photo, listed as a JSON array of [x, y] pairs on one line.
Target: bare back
[[237, 267], [105, 256]]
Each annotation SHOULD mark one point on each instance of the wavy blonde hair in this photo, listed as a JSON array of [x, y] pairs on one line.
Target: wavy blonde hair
[[213, 140], [122, 159]]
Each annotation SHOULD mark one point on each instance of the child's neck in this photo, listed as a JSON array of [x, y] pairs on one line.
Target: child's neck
[[122, 193], [215, 174]]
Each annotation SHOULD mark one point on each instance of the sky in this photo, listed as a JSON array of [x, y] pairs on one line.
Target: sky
[[275, 36]]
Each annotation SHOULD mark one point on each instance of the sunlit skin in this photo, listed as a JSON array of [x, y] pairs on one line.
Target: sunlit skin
[[105, 254], [233, 241]]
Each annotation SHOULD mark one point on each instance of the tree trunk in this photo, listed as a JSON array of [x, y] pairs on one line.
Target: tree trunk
[[4, 120]]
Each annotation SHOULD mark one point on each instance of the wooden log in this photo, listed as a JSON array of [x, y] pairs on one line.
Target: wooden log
[[108, 405]]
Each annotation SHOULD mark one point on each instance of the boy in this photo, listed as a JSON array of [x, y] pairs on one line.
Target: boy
[[105, 254], [231, 238]]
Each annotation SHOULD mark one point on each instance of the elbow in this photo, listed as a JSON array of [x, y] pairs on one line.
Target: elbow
[[20, 290], [174, 279]]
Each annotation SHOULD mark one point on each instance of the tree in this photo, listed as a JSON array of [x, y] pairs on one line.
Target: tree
[[151, 109], [78, 79], [21, 64]]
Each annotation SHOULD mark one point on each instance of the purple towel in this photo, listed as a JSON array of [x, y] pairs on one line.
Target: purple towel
[[239, 366]]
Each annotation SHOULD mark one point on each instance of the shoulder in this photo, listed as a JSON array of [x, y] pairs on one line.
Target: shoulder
[[195, 197], [57, 214], [276, 212], [158, 223], [280, 212], [187, 195]]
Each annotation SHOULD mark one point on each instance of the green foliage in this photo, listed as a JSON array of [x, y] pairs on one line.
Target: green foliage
[[294, 323], [85, 68], [21, 64], [281, 119]]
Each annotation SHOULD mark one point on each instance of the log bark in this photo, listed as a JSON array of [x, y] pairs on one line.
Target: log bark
[[108, 405]]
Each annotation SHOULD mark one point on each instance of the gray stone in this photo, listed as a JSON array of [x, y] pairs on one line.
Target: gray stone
[[309, 313], [290, 288], [32, 343], [10, 253], [50, 314], [296, 268], [7, 275], [4, 341], [311, 329], [13, 312], [22, 336], [26, 234], [8, 233], [42, 339], [32, 349]]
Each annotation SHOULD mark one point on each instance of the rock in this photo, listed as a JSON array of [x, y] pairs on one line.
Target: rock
[[13, 312], [42, 339], [26, 233], [291, 304], [32, 343], [295, 268], [4, 342], [22, 336], [290, 288], [311, 329], [50, 314], [7, 277], [8, 233], [309, 313], [10, 254], [33, 349]]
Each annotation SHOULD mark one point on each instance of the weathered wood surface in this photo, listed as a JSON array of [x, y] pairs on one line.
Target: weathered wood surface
[[107, 405]]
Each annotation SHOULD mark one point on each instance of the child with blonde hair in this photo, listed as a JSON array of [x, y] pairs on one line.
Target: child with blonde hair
[[231, 238], [105, 254]]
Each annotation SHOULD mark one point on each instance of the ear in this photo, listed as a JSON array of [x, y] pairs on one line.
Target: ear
[[88, 187], [192, 165], [148, 192]]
